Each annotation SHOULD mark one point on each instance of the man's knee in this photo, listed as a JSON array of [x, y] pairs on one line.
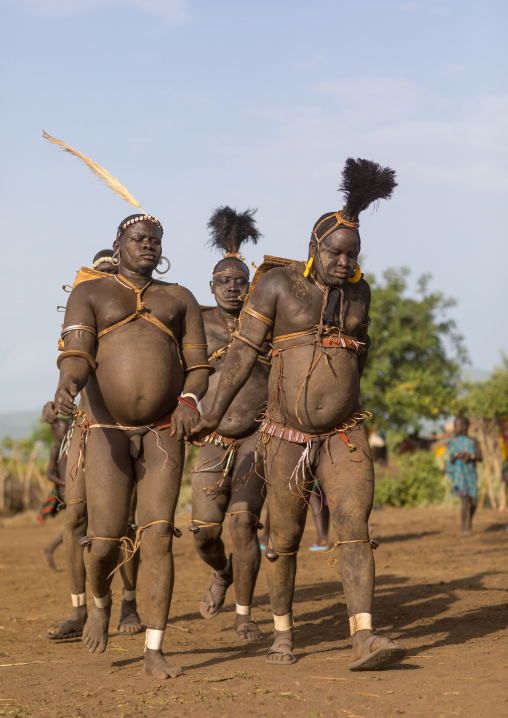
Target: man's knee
[[76, 518], [104, 551], [206, 535], [286, 538], [350, 521], [157, 539], [243, 527]]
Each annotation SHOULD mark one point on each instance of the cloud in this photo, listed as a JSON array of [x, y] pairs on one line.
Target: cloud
[[394, 121], [174, 11]]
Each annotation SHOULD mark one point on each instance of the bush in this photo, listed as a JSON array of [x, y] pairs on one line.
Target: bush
[[413, 480]]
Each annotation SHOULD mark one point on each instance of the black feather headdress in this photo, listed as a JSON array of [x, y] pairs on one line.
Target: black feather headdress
[[230, 229], [363, 183]]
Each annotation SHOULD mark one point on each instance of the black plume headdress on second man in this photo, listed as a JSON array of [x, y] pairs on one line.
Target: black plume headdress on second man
[[229, 229]]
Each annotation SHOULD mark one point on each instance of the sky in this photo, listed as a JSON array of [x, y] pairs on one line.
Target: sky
[[256, 104]]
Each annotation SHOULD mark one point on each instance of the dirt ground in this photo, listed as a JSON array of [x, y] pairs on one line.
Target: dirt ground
[[443, 596]]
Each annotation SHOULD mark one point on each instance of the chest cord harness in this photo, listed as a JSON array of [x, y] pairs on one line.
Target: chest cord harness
[[325, 336], [127, 544]]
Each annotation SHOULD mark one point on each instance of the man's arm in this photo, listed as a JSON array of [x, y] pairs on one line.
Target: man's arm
[[195, 359], [363, 336], [76, 362], [243, 353]]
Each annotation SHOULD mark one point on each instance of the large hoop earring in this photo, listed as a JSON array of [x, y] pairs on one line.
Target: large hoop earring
[[115, 261], [167, 268], [308, 266], [357, 275]]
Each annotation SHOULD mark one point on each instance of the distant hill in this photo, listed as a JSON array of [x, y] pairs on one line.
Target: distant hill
[[18, 424]]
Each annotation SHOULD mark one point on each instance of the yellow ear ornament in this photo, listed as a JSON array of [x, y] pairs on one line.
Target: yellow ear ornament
[[357, 277], [308, 266]]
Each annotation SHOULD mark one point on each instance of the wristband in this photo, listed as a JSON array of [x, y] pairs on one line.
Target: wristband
[[192, 396], [188, 403]]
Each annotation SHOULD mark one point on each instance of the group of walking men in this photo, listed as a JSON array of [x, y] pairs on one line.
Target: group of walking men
[[275, 365]]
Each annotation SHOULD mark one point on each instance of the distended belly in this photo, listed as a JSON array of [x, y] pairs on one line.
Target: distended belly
[[138, 377], [320, 401], [243, 416]]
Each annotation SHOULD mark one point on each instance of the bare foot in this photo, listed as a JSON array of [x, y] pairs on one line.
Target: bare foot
[[213, 600], [281, 652], [95, 632], [371, 651], [70, 628], [157, 666], [47, 555], [246, 629], [129, 618]]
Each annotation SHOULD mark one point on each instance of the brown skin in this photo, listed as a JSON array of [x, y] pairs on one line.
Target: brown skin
[[76, 523], [76, 527], [331, 393], [236, 493], [468, 508], [56, 473], [137, 382]]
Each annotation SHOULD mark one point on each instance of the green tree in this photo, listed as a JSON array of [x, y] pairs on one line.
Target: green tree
[[485, 404], [416, 353], [486, 399]]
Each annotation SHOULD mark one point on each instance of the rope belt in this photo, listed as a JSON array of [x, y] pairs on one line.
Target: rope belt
[[129, 546], [86, 427], [330, 341], [374, 545], [223, 441], [270, 428]]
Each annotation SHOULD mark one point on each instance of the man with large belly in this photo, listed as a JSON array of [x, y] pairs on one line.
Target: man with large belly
[[314, 425], [139, 346], [74, 500], [226, 477]]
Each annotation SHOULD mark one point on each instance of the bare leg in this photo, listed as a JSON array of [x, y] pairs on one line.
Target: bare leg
[[210, 507], [264, 537], [109, 485], [129, 618], [75, 528], [348, 481], [467, 512], [48, 550], [158, 486], [288, 513], [471, 512], [321, 514], [247, 498]]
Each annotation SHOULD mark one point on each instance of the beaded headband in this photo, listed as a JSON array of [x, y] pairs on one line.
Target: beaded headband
[[231, 255], [140, 218], [102, 260], [339, 219]]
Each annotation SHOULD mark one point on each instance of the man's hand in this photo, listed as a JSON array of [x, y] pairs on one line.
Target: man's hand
[[183, 421], [206, 425], [64, 398], [49, 413]]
